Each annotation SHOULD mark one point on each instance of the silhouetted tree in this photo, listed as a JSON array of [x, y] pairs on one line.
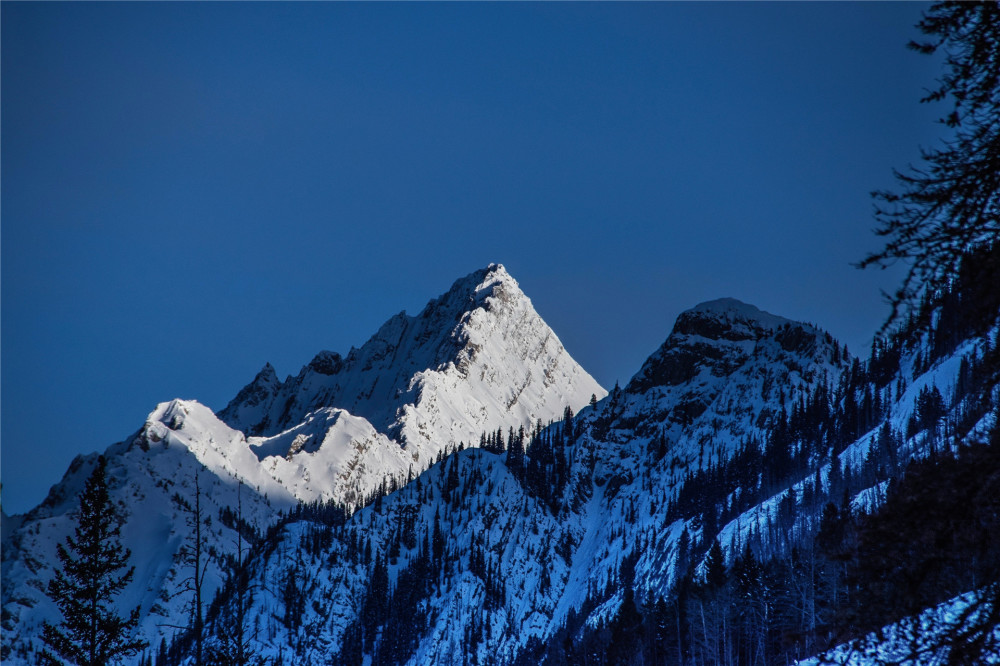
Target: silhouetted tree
[[193, 555], [93, 572], [951, 204]]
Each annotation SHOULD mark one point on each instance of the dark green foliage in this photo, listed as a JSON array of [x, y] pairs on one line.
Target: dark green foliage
[[627, 631], [293, 600], [94, 570], [546, 469], [515, 452], [970, 304]]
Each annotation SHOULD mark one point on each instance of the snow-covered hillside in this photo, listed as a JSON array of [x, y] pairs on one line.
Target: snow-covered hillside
[[478, 358], [492, 556], [152, 477], [513, 549], [913, 641], [729, 447]]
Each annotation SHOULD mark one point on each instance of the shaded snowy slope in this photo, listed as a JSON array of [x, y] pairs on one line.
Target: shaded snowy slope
[[720, 377], [488, 556]]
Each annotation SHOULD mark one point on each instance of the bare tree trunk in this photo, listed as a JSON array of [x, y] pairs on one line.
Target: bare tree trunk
[[198, 571], [680, 641], [198, 574], [241, 657]]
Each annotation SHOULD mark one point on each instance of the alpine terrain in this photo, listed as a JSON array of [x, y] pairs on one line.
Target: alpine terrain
[[458, 490], [344, 430], [755, 494]]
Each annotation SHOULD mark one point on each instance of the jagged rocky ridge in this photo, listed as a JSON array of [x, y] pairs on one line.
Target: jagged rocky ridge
[[344, 429], [476, 359]]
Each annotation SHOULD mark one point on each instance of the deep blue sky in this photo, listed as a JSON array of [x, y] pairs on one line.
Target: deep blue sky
[[190, 190]]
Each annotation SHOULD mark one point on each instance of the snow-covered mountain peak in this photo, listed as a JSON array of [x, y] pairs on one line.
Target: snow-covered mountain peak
[[484, 319], [190, 425], [495, 278], [482, 290], [474, 359], [259, 391], [483, 283]]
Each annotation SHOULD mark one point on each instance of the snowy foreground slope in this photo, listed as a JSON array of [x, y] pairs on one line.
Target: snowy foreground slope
[[478, 358], [911, 641]]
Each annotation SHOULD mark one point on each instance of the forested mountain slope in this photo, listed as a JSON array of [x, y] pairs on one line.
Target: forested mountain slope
[[710, 512]]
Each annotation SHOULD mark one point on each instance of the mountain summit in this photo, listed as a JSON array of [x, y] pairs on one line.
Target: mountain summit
[[510, 548], [475, 359]]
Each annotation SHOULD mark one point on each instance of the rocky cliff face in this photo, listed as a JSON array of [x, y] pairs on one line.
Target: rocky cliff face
[[720, 377]]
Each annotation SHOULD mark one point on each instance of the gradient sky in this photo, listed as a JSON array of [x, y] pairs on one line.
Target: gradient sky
[[190, 190]]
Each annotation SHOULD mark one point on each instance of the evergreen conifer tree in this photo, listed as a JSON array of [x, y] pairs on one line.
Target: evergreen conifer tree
[[94, 570], [950, 205]]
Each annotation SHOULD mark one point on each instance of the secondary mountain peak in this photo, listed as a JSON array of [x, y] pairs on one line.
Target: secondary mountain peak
[[727, 319], [326, 363], [256, 395], [715, 336], [726, 361]]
